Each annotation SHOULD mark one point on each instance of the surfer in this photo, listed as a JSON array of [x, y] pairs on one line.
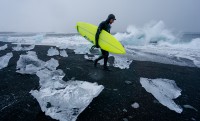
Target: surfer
[[104, 25]]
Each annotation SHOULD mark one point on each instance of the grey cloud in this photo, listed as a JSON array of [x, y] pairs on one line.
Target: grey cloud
[[62, 15]]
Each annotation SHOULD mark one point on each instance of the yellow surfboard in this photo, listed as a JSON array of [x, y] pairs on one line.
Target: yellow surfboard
[[106, 40]]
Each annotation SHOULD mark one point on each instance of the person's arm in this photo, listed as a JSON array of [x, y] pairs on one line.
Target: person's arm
[[98, 33]]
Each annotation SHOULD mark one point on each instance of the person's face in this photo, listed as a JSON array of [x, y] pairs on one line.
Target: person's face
[[112, 21]]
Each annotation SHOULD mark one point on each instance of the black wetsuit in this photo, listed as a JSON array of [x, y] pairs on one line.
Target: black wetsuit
[[105, 25]]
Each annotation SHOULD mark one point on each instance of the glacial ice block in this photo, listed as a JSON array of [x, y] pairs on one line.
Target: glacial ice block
[[164, 91]]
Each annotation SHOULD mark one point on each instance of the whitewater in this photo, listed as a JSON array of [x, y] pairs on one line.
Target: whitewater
[[152, 42]]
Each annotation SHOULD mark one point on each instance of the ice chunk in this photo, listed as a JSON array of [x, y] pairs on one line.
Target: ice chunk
[[193, 119], [19, 48], [135, 105], [50, 78], [121, 62], [190, 107], [164, 91], [3, 47], [52, 64], [52, 51], [65, 104], [125, 119], [29, 64], [82, 49], [63, 53], [29, 48], [128, 82], [125, 110], [130, 117], [62, 46], [62, 100], [4, 60]]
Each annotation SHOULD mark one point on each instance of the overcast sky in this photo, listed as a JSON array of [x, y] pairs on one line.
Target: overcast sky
[[62, 15]]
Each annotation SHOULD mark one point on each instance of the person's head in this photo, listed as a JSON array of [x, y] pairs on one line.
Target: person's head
[[111, 18]]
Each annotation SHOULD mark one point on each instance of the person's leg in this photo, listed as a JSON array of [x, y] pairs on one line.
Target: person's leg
[[100, 57], [106, 54]]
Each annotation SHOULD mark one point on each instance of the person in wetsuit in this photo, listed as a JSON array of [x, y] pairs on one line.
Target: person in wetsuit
[[104, 25]]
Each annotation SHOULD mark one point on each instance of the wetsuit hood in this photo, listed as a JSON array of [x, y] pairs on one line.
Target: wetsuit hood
[[111, 16]]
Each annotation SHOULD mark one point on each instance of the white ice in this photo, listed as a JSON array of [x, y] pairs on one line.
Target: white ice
[[52, 51], [66, 103], [82, 49], [190, 107], [70, 42], [3, 47], [125, 119], [51, 64], [128, 82], [122, 62], [62, 100], [20, 48], [26, 39], [63, 53], [77, 43], [164, 91], [153, 42], [59, 99], [135, 105], [4, 60], [29, 63], [62, 46]]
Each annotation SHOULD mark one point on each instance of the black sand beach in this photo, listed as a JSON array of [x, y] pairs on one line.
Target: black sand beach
[[113, 103]]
